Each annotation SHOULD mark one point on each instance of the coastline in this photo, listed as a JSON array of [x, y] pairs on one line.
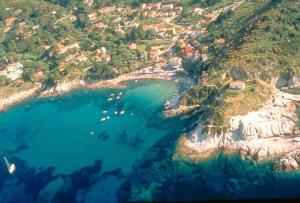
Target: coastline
[[67, 86], [270, 133], [16, 98]]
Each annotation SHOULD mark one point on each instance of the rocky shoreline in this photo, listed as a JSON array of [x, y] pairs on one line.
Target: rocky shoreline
[[18, 97], [268, 133]]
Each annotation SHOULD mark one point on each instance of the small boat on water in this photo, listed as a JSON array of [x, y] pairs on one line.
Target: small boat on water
[[92, 133], [103, 119], [118, 97], [115, 112], [120, 93], [112, 95], [136, 81], [104, 111], [110, 99], [131, 114], [10, 167], [122, 112], [107, 117]]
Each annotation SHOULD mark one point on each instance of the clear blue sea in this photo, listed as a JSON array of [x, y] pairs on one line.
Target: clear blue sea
[[64, 153]]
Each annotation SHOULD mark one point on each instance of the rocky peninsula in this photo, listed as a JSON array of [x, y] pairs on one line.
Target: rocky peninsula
[[269, 133]]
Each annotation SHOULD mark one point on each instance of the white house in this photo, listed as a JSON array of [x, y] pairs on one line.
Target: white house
[[13, 70]]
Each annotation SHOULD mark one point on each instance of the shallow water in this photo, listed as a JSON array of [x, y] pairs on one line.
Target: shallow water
[[59, 139], [63, 153]]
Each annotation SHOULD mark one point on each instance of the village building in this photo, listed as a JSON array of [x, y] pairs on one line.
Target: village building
[[160, 64], [204, 57], [14, 70], [106, 58], [154, 54], [237, 85], [204, 48], [64, 48], [8, 23], [93, 16], [157, 6], [143, 6], [107, 10], [132, 46], [88, 2], [103, 50], [175, 61], [187, 51], [81, 58], [219, 41], [167, 7], [101, 25]]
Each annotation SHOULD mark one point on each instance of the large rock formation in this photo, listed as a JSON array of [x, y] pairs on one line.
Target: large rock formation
[[268, 133]]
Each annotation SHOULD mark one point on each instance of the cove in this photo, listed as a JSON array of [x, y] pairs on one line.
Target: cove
[[63, 152]]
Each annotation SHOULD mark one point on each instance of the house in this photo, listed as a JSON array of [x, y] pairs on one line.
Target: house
[[157, 6], [198, 11], [196, 55], [175, 61], [14, 70], [147, 27], [171, 31], [167, 7], [187, 51], [219, 41], [132, 46], [107, 10], [154, 54], [160, 65], [103, 50], [237, 85], [106, 58], [143, 6], [204, 48], [204, 57], [8, 22], [88, 2], [101, 25], [93, 16], [81, 58], [62, 48]]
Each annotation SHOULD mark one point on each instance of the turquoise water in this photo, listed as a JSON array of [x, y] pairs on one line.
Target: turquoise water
[[65, 154], [63, 136]]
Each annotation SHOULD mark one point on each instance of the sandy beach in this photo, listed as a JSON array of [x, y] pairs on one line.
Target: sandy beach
[[66, 86]]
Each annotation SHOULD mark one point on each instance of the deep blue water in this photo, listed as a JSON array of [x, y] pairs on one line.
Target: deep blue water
[[64, 153]]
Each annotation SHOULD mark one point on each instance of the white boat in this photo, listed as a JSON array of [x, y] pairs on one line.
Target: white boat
[[107, 117], [112, 95], [136, 81], [92, 133], [120, 93], [122, 112], [118, 97], [104, 111], [103, 119], [110, 99], [131, 114], [116, 113], [10, 167]]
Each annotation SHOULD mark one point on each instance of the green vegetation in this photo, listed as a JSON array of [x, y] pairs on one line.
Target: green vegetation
[[36, 29], [261, 42]]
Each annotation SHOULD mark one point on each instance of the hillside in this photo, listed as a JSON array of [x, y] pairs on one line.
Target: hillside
[[261, 42]]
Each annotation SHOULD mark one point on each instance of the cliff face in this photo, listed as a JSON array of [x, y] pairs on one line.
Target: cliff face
[[270, 132]]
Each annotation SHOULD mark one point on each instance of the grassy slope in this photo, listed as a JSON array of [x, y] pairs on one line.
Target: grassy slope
[[262, 41]]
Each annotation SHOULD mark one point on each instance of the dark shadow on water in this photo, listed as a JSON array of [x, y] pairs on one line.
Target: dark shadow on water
[[78, 180]]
